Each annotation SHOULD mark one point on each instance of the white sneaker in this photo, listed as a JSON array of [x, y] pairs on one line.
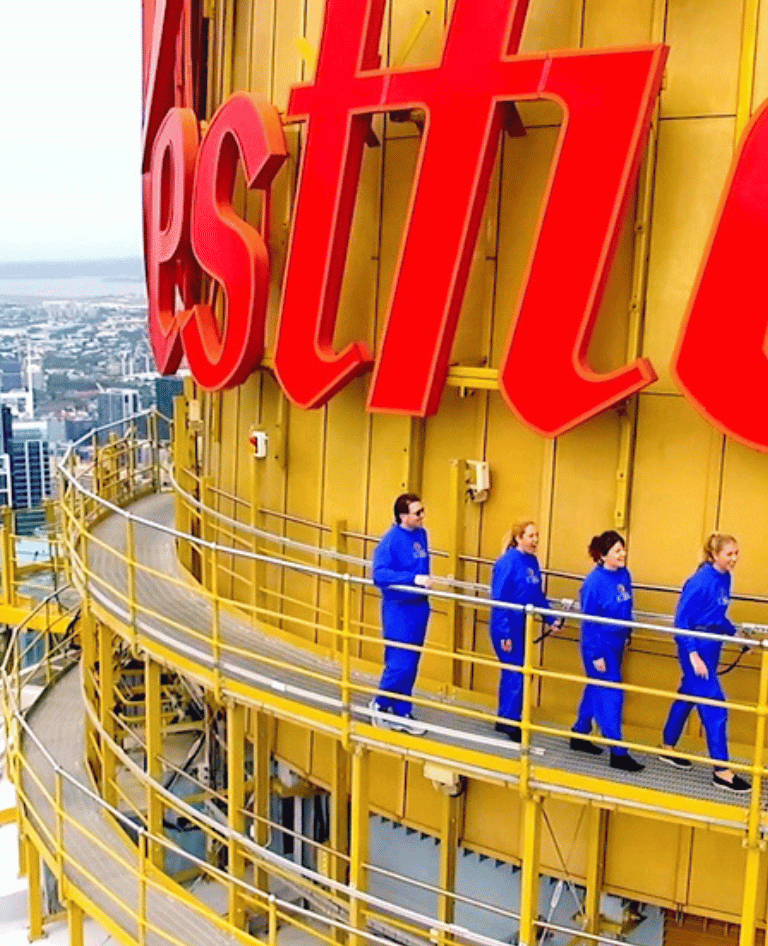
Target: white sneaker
[[378, 715], [407, 724]]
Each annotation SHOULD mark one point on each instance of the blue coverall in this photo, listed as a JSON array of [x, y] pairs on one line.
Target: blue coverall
[[702, 606], [401, 555], [517, 580], [605, 594]]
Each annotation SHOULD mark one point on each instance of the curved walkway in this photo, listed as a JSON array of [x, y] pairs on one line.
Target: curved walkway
[[659, 786], [104, 857]]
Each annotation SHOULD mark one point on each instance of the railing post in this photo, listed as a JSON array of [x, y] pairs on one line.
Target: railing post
[[9, 555], [346, 675], [596, 840], [142, 912], [154, 440], [153, 722], [130, 556], [528, 691], [235, 808], [215, 622], [339, 544], [106, 705], [35, 905], [358, 854], [529, 870], [753, 841], [59, 795], [272, 914], [75, 923], [258, 571], [460, 670]]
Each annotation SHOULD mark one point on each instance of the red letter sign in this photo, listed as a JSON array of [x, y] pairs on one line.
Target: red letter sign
[[466, 100], [721, 362], [229, 249]]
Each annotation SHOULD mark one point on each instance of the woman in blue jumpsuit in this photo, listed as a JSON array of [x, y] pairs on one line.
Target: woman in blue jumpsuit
[[607, 593], [702, 607], [517, 580]]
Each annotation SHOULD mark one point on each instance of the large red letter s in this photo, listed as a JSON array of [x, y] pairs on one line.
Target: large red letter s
[[246, 127], [720, 362]]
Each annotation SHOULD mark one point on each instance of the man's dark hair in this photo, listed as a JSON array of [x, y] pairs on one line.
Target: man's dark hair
[[402, 504]]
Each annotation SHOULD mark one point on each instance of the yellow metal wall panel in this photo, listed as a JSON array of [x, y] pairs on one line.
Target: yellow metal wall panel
[[261, 25], [608, 347], [564, 839], [288, 64], [406, 29], [293, 745], [703, 65], [607, 23], [693, 160], [720, 890], [671, 480], [387, 782], [322, 758], [643, 855], [552, 24], [525, 168], [492, 819], [761, 58], [745, 475], [584, 490], [423, 802]]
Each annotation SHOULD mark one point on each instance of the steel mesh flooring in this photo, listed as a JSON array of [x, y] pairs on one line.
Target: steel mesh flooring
[[189, 608]]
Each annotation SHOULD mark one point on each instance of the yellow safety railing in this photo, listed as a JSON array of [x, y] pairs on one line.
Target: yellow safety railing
[[339, 691], [50, 797]]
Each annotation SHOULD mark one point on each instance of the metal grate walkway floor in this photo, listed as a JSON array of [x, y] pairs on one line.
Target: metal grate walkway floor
[[187, 607]]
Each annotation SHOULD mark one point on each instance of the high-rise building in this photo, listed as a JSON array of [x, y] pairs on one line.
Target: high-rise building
[[166, 389], [30, 464], [116, 404]]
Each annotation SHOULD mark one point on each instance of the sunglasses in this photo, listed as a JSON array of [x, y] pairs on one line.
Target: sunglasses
[[418, 512]]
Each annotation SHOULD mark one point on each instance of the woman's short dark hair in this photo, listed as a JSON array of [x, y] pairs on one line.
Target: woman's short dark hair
[[403, 504], [602, 544]]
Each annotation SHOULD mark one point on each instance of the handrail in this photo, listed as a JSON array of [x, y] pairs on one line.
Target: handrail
[[222, 650], [426, 924]]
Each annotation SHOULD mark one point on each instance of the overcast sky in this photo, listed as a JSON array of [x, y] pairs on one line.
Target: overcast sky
[[70, 71]]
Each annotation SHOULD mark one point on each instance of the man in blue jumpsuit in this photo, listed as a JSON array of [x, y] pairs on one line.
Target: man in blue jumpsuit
[[401, 558]]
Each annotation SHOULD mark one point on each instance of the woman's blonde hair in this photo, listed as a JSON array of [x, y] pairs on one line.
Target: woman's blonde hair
[[512, 537], [715, 544]]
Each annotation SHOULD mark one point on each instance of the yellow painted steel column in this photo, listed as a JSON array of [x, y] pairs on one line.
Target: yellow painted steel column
[[236, 806], [339, 814], [258, 571], [529, 874], [130, 554], [358, 854], [35, 902], [154, 740], [89, 650], [261, 781], [451, 812], [754, 842], [747, 63], [75, 924], [106, 708], [9, 556], [460, 671], [598, 830]]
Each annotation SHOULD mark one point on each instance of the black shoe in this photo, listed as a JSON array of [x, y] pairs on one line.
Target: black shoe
[[739, 785], [512, 733], [676, 761], [584, 745], [625, 763]]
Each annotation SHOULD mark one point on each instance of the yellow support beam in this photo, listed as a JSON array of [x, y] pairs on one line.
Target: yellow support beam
[[106, 707], [261, 782], [358, 854], [236, 806], [75, 924], [154, 741], [35, 902], [529, 875], [598, 830], [747, 63], [451, 812]]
